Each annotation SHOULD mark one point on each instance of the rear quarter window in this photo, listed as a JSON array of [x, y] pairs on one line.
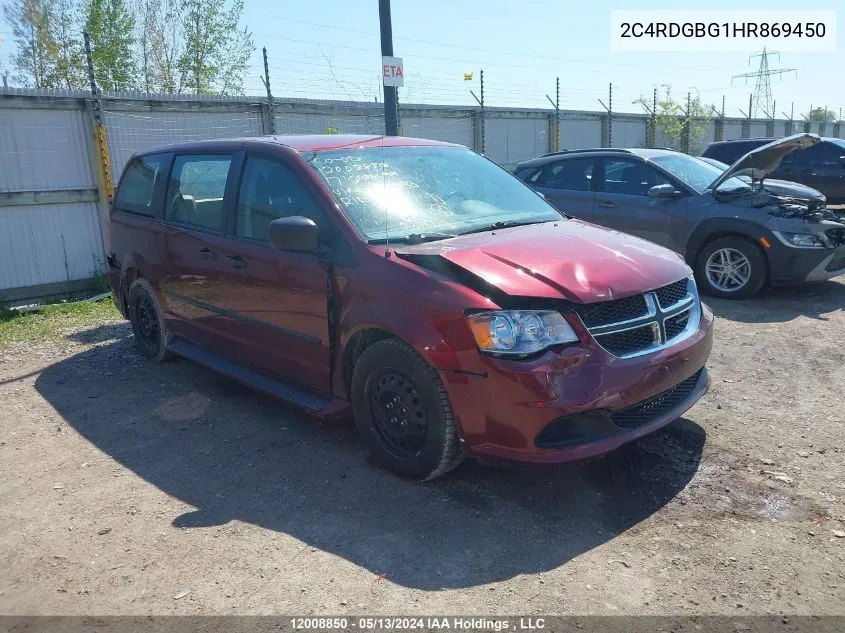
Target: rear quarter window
[[139, 183]]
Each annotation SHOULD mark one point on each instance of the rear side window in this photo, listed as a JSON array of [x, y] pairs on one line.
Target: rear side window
[[196, 189], [138, 185], [574, 174], [271, 190]]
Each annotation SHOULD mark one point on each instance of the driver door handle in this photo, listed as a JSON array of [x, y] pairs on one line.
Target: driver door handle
[[207, 253], [607, 204]]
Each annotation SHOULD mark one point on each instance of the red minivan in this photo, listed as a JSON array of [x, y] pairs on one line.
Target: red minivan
[[413, 284]]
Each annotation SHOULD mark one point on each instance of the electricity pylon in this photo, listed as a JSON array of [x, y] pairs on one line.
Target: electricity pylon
[[762, 102]]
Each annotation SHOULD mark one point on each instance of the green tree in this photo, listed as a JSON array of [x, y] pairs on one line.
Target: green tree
[[111, 27], [672, 120], [821, 115], [49, 53], [70, 58], [34, 59], [217, 49], [161, 44]]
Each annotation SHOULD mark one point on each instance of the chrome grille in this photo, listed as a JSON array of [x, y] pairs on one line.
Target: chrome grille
[[628, 341], [595, 314], [671, 294], [675, 325], [669, 312]]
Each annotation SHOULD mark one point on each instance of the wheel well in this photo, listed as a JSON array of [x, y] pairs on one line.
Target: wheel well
[[129, 277], [712, 237], [356, 346]]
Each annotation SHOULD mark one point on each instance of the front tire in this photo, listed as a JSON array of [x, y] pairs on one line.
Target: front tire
[[730, 268], [147, 321], [403, 412]]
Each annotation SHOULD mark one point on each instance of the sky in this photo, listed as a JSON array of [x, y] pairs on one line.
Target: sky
[[330, 49]]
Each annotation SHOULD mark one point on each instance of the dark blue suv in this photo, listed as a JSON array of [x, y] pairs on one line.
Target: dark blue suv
[[821, 166]]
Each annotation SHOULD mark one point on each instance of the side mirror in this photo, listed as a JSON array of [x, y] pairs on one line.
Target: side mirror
[[664, 191], [294, 233], [842, 160]]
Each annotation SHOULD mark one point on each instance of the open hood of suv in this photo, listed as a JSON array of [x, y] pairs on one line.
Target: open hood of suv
[[762, 161], [566, 259]]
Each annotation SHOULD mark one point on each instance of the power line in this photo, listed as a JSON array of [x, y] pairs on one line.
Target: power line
[[458, 46]]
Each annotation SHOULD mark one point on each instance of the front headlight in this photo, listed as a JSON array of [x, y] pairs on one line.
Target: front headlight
[[801, 240], [519, 332]]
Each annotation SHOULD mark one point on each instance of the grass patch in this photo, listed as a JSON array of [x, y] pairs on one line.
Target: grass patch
[[53, 322]]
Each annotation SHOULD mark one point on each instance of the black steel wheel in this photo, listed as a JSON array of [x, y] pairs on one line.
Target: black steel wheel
[[397, 413], [147, 320], [403, 412]]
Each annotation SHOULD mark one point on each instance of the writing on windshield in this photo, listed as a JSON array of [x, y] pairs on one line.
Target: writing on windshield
[[400, 190]]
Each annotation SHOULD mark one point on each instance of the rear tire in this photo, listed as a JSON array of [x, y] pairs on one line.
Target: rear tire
[[403, 412], [730, 268], [147, 321]]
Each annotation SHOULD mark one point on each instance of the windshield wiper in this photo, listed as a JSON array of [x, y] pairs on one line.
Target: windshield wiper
[[414, 238], [504, 224]]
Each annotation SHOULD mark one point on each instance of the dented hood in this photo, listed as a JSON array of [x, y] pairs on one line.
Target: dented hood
[[567, 259], [762, 161]]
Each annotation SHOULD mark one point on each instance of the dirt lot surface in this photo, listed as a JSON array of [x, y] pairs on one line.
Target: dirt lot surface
[[128, 487]]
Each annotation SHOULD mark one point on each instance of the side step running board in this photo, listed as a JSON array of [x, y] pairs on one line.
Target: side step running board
[[249, 377]]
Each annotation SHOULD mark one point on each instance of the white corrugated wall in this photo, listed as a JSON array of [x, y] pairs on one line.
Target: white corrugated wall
[[46, 150]]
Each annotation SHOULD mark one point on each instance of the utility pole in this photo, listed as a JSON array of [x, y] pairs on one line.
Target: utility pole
[[685, 131], [101, 145], [609, 108], [746, 132], [556, 106], [770, 124], [271, 118], [654, 117], [720, 122], [6, 79], [391, 114], [481, 103], [790, 122]]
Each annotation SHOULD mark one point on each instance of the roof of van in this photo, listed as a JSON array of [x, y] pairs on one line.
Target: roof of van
[[304, 143]]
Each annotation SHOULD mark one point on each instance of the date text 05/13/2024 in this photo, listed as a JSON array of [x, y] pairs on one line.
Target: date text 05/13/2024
[[417, 623]]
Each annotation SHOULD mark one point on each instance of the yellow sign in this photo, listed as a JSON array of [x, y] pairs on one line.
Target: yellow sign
[[467, 76]]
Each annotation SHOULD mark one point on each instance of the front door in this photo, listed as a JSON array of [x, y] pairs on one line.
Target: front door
[[277, 301], [817, 167], [566, 183], [623, 203]]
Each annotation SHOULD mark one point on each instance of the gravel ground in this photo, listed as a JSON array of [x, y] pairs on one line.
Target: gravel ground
[[128, 487]]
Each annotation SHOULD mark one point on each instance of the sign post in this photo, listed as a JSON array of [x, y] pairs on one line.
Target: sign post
[[391, 114]]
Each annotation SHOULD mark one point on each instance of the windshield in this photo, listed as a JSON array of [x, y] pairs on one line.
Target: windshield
[[696, 173], [398, 192], [723, 167]]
